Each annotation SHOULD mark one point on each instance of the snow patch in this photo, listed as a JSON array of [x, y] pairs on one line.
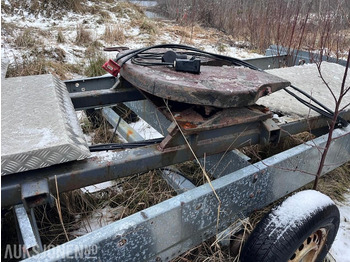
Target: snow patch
[[341, 246], [97, 219], [104, 156], [99, 187], [297, 208], [145, 130]]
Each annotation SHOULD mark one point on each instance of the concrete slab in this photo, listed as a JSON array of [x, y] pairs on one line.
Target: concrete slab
[[307, 78], [39, 126]]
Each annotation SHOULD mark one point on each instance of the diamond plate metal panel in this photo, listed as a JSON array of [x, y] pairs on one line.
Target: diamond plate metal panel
[[4, 66], [39, 126]]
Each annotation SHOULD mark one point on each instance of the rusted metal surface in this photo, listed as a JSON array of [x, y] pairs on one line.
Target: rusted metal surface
[[224, 86], [195, 119]]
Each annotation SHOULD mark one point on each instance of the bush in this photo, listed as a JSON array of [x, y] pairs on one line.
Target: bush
[[293, 23]]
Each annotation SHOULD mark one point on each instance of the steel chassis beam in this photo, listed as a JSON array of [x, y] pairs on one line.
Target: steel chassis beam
[[297, 57], [104, 97], [168, 229], [91, 83], [77, 174], [99, 169]]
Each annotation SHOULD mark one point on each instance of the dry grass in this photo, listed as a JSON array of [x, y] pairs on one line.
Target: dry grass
[[127, 9], [42, 62], [98, 128], [63, 70], [8, 29], [47, 8], [25, 39], [129, 195], [114, 34], [335, 183], [83, 36], [27, 66], [146, 26], [105, 15], [94, 66], [259, 152], [60, 37]]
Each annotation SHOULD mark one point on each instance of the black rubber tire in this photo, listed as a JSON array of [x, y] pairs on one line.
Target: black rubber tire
[[272, 243]]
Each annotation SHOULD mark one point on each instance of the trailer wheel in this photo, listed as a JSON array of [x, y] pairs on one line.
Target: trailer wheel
[[302, 228]]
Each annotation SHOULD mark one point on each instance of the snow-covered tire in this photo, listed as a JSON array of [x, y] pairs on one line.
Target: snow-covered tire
[[302, 228]]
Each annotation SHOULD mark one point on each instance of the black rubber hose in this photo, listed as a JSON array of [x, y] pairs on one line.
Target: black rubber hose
[[114, 146]]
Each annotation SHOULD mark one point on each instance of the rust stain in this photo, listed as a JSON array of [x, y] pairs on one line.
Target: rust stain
[[188, 125], [129, 133], [195, 119]]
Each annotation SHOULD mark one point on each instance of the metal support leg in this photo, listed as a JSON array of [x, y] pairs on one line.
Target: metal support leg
[[170, 174], [149, 112], [219, 165], [174, 178], [126, 131], [28, 232], [225, 163]]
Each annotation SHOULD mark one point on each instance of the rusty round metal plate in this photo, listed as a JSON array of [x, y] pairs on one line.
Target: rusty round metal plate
[[219, 86]]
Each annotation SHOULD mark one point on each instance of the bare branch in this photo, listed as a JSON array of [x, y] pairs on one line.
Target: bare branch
[[342, 109], [334, 120], [325, 82]]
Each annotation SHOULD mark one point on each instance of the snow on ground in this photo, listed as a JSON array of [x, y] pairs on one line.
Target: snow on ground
[[101, 186], [45, 30], [97, 219], [145, 130], [341, 247]]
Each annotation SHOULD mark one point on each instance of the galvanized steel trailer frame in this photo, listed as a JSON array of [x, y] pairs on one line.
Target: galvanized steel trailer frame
[[170, 228], [166, 230]]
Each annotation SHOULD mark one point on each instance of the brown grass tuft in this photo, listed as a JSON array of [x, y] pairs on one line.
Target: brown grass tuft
[[114, 34], [25, 39], [83, 36], [94, 66], [60, 37], [27, 66], [127, 9], [147, 26]]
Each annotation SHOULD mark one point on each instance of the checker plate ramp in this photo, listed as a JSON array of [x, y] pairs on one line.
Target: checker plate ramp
[[39, 126], [219, 86]]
